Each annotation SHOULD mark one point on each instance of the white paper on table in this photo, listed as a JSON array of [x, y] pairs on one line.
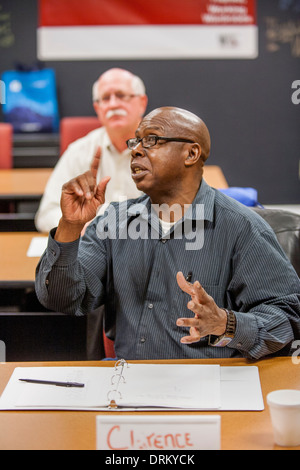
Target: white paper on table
[[37, 247], [241, 389], [146, 386]]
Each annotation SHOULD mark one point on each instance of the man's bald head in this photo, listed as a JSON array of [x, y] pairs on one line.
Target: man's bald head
[[182, 123]]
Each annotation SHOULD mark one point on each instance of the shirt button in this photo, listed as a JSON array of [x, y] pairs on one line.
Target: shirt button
[[164, 240], [150, 306], [142, 340]]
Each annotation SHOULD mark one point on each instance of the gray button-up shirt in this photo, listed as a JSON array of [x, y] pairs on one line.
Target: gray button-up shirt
[[125, 262]]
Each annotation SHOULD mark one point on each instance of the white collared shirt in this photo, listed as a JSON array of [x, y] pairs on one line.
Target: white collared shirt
[[77, 160]]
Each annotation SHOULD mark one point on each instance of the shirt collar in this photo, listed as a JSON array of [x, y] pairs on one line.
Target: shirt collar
[[205, 198], [202, 208]]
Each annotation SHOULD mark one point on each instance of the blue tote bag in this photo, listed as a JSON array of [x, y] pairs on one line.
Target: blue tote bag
[[31, 100]]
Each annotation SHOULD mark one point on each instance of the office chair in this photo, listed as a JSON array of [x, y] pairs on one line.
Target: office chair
[[109, 349], [6, 139], [73, 128], [286, 226], [99, 346]]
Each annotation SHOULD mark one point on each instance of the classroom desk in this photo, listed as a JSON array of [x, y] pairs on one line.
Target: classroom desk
[[23, 184], [27, 185], [76, 430], [33, 334], [20, 184], [16, 269]]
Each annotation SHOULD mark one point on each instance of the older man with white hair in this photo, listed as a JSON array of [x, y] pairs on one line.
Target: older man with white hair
[[120, 101]]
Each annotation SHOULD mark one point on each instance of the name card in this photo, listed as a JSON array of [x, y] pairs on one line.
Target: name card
[[158, 432]]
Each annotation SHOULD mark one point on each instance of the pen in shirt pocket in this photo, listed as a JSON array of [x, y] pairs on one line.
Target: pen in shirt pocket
[[189, 276]]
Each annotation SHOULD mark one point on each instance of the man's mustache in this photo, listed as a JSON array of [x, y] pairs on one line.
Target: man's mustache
[[115, 112]]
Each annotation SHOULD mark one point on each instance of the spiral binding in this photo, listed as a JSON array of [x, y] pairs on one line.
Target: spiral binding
[[116, 380]]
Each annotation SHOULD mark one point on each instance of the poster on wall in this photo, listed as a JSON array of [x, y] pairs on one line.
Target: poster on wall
[[139, 29]]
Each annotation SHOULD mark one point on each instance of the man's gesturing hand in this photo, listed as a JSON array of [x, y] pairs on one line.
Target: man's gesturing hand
[[209, 319], [80, 199]]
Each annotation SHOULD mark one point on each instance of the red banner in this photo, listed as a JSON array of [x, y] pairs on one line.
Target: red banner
[[141, 12]]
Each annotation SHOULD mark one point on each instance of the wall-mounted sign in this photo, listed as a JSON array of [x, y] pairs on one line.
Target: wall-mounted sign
[[135, 29]]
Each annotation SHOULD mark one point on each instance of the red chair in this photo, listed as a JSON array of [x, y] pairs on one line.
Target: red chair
[[72, 128], [6, 145], [109, 349]]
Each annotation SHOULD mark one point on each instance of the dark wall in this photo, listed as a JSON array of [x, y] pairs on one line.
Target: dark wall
[[246, 104]]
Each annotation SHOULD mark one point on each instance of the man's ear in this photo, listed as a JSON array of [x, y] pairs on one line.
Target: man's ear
[[194, 154], [144, 103], [96, 107]]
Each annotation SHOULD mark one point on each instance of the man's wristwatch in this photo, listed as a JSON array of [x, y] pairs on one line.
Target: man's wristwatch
[[224, 340]]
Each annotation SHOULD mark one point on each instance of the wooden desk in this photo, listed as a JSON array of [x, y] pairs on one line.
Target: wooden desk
[[32, 335], [30, 183], [214, 176], [69, 430], [20, 184], [17, 186], [16, 269]]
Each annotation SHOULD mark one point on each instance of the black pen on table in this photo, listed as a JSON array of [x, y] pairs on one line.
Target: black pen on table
[[50, 382]]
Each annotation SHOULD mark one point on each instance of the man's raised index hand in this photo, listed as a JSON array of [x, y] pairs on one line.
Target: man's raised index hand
[[80, 200], [96, 162]]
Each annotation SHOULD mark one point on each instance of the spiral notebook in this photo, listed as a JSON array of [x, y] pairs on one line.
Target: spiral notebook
[[134, 386]]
